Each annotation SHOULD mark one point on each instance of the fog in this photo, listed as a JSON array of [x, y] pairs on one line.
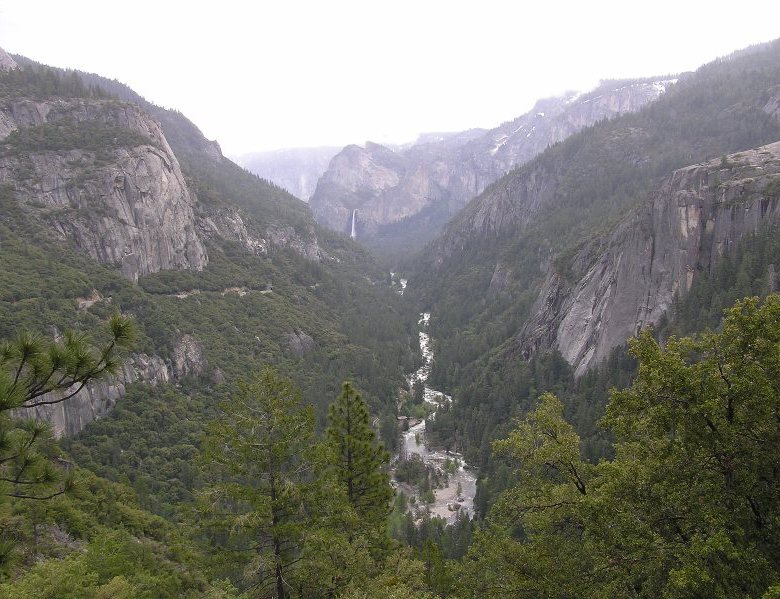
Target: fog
[[270, 75]]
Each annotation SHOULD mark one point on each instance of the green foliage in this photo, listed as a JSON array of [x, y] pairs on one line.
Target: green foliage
[[258, 454], [688, 506], [112, 564], [38, 81], [150, 441], [358, 460], [591, 180], [63, 136], [95, 536], [36, 372], [362, 331], [744, 271], [151, 436], [416, 473]]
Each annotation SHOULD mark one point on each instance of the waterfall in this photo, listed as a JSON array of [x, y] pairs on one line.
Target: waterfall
[[354, 230]]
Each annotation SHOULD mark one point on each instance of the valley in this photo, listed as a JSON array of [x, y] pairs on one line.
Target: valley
[[535, 360], [455, 496]]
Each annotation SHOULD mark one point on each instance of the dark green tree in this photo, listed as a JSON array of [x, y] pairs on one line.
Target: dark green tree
[[689, 506], [36, 372], [259, 456], [358, 460]]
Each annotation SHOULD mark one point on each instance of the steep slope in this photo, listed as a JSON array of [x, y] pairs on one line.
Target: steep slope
[[404, 197], [103, 174], [632, 277], [573, 251], [295, 169], [116, 204]]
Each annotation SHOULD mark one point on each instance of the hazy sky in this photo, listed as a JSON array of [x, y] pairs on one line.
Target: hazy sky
[[284, 73]]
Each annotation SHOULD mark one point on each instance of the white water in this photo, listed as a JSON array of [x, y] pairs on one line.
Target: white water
[[400, 282], [354, 230], [431, 396], [447, 498]]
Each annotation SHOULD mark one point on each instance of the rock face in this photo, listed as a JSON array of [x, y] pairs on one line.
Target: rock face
[[772, 107], [630, 279], [188, 358], [229, 224], [295, 169], [442, 173], [299, 343], [6, 62], [128, 205], [96, 399]]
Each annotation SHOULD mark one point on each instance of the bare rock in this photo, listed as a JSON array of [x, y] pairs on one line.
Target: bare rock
[[500, 279], [96, 399], [229, 224], [771, 279], [6, 62], [295, 169], [217, 377], [305, 245], [772, 107], [442, 172], [630, 279], [299, 343], [133, 210], [187, 357]]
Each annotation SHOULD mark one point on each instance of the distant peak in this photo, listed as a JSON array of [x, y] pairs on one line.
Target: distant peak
[[6, 62]]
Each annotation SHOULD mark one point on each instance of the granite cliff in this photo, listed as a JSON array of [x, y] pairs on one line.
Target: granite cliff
[[594, 238], [414, 190], [629, 279], [124, 203], [90, 164], [98, 397]]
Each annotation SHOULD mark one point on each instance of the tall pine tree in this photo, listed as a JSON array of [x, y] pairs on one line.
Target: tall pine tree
[[358, 460], [258, 454]]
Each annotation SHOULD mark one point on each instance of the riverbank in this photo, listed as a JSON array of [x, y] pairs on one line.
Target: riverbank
[[459, 481]]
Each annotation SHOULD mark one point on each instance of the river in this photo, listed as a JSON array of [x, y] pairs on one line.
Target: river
[[448, 500]]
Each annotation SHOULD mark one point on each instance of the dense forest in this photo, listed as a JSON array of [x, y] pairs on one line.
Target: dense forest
[[267, 455]]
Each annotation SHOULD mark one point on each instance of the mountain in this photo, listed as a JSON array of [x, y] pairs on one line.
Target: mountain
[[403, 197], [543, 277], [294, 169], [112, 203], [630, 279], [102, 174], [658, 216]]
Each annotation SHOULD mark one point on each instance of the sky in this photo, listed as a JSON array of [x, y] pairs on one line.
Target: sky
[[264, 75]]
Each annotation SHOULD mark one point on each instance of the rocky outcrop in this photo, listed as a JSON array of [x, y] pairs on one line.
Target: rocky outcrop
[[187, 358], [295, 169], [96, 399], [772, 107], [442, 173], [629, 279], [228, 224], [299, 343], [125, 204], [6, 62], [306, 245], [99, 397]]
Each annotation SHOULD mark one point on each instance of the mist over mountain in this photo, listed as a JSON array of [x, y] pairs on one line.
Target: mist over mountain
[[629, 214], [567, 386], [403, 197], [295, 169]]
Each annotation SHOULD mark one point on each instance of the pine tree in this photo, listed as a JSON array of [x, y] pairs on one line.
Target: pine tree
[[36, 372], [258, 453], [358, 459]]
